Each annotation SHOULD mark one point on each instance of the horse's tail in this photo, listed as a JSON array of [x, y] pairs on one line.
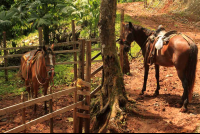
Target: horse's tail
[[191, 69]]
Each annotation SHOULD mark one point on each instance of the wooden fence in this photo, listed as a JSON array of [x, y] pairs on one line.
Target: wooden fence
[[82, 94], [72, 43]]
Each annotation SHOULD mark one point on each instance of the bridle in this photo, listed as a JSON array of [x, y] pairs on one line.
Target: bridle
[[49, 78]]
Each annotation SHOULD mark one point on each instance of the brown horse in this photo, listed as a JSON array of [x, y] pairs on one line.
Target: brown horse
[[180, 51], [37, 69]]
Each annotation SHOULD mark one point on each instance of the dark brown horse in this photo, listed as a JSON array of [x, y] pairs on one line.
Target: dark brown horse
[[37, 69], [179, 52]]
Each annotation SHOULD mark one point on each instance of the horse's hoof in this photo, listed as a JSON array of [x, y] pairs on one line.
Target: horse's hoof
[[183, 110]]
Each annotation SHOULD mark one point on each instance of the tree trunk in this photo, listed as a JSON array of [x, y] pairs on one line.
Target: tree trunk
[[46, 35], [113, 92], [126, 66]]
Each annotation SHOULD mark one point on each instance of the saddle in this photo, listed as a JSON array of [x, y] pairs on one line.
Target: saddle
[[150, 56], [159, 35], [29, 58]]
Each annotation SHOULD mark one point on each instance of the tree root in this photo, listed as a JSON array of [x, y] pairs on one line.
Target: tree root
[[108, 120]]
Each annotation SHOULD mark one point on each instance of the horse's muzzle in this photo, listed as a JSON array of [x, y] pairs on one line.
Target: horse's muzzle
[[51, 73]]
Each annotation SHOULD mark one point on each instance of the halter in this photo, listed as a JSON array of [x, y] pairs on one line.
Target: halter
[[48, 70]]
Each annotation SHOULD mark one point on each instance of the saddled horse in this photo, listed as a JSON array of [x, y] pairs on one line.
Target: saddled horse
[[179, 51], [37, 69]]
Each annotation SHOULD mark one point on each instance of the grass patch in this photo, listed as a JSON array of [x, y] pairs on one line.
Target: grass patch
[[13, 86]]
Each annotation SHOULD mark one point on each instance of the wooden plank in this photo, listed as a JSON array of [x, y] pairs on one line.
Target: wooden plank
[[84, 107], [23, 111], [70, 62], [81, 76], [17, 67], [66, 51], [81, 59], [37, 46], [11, 55], [96, 49], [94, 40], [51, 111], [88, 79], [95, 91], [97, 61], [75, 126], [25, 47], [96, 71], [87, 93], [81, 115], [10, 68], [67, 43], [93, 58], [26, 104], [44, 118], [74, 47]]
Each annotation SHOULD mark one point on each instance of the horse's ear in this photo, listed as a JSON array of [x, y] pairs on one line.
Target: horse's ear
[[52, 46], [130, 25]]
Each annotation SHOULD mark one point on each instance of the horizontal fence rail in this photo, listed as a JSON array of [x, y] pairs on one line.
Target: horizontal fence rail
[[34, 47], [26, 104], [44, 118]]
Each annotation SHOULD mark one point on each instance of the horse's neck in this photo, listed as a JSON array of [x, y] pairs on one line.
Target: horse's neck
[[141, 37], [42, 67]]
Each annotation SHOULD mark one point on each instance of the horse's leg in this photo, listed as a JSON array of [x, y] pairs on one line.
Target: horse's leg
[[28, 89], [146, 72], [35, 89], [184, 100], [157, 78], [45, 93]]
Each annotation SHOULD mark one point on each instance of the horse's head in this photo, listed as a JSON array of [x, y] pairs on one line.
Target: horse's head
[[129, 36], [49, 60]]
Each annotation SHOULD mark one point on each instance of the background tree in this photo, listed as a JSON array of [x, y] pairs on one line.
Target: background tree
[[113, 92]]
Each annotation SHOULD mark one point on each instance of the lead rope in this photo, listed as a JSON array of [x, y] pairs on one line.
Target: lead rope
[[37, 75]]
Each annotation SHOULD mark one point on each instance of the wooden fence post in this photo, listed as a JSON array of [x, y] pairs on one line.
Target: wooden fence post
[[23, 111], [88, 79], [74, 47], [122, 37], [40, 36], [81, 59], [51, 111], [81, 76], [75, 111], [5, 53]]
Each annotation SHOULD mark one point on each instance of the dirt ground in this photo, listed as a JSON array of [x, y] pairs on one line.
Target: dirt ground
[[159, 114], [149, 114]]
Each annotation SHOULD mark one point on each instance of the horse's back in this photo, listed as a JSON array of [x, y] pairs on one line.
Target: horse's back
[[179, 50], [25, 65], [175, 52]]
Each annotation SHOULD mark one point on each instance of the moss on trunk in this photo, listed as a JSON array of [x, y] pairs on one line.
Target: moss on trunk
[[113, 92]]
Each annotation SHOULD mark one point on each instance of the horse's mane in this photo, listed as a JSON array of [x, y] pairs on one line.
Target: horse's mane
[[148, 32]]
